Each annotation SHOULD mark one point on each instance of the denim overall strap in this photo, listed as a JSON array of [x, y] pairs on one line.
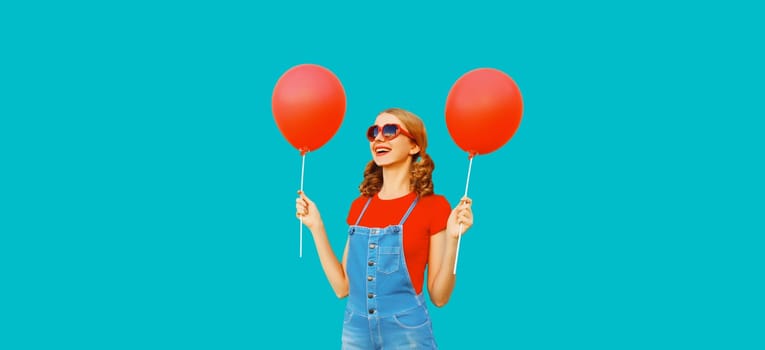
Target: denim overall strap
[[363, 211], [409, 211]]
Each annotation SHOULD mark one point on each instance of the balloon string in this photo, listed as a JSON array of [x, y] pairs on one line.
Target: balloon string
[[459, 238], [302, 174]]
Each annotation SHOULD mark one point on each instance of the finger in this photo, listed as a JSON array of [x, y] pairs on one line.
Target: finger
[[301, 207], [306, 199], [303, 200], [462, 210], [466, 217]]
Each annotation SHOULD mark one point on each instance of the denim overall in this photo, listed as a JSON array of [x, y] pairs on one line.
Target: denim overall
[[383, 311]]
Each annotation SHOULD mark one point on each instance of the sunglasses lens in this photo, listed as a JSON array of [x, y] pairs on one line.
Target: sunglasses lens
[[372, 133], [390, 131]]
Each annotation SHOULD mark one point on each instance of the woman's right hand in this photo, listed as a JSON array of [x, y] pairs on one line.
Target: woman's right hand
[[307, 210]]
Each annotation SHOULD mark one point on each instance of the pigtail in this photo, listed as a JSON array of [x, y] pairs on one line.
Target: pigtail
[[422, 175], [373, 180]]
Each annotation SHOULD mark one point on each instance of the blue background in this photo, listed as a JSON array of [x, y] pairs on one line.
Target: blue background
[[148, 196]]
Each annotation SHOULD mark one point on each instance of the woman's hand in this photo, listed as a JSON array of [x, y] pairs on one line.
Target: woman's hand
[[460, 215], [307, 210]]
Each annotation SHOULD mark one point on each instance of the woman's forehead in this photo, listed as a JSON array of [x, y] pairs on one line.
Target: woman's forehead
[[387, 118]]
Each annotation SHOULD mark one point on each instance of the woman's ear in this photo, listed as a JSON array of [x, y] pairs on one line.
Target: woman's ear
[[414, 150]]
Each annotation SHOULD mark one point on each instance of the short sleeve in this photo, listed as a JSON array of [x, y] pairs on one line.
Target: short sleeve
[[438, 211], [355, 210]]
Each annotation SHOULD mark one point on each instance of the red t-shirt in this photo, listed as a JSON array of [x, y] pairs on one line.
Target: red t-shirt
[[428, 218]]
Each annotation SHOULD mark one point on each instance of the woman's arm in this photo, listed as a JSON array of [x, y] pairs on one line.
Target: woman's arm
[[443, 253], [334, 269]]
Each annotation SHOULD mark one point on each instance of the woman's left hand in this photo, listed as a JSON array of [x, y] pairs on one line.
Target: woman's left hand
[[462, 215]]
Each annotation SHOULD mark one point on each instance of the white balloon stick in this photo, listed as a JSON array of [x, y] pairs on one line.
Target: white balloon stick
[[302, 173], [459, 239]]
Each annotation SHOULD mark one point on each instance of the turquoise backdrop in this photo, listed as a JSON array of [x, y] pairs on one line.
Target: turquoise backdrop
[[148, 196]]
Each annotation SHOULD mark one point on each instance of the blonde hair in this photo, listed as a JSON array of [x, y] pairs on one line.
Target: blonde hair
[[421, 179]]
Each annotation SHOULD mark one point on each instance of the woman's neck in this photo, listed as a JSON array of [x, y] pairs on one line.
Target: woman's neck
[[396, 182]]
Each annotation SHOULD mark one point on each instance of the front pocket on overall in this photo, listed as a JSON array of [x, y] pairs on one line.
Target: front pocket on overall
[[411, 319], [390, 259]]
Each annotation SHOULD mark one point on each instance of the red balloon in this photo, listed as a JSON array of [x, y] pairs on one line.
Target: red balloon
[[308, 105], [483, 110]]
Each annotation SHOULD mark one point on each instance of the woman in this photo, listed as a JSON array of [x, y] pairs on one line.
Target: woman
[[397, 227]]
